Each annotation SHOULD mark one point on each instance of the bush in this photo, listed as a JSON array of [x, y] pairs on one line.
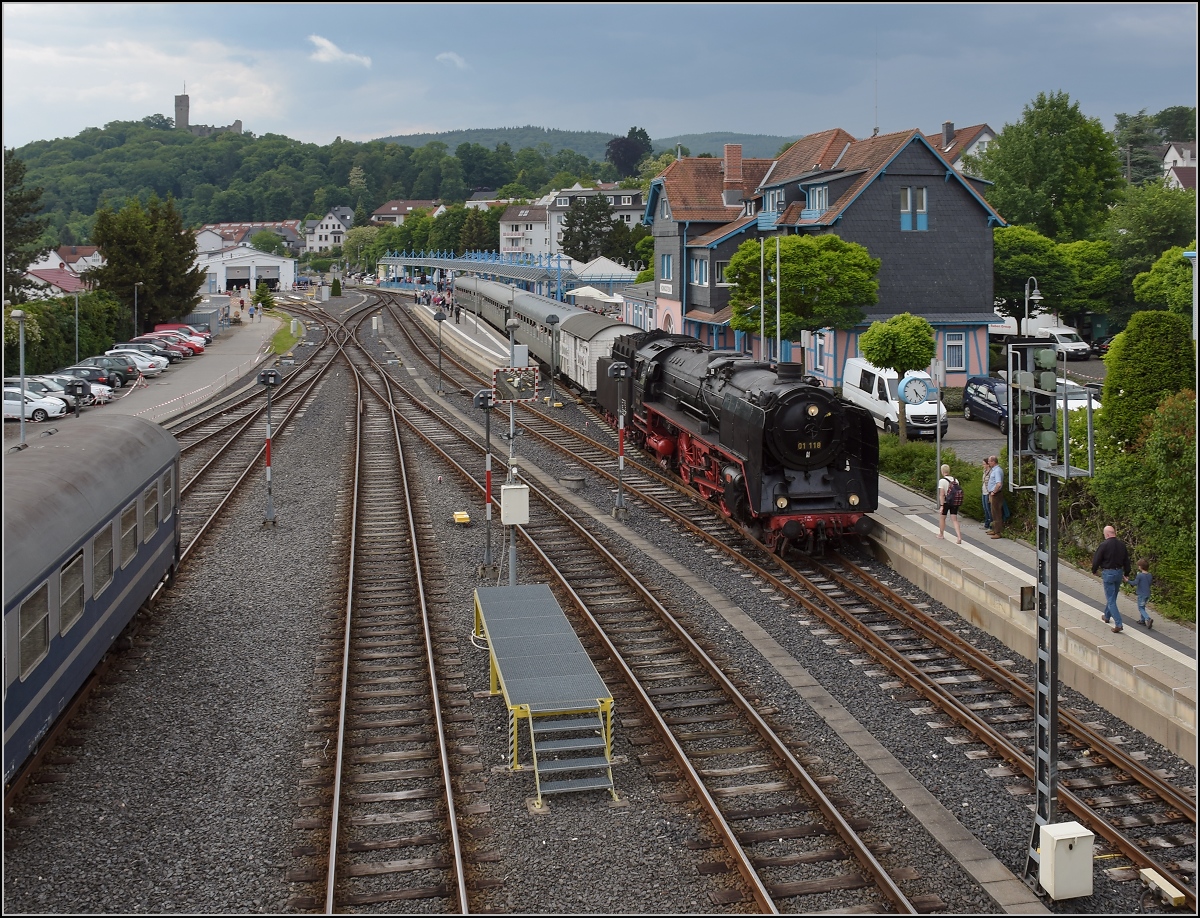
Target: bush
[[336, 287], [914, 465]]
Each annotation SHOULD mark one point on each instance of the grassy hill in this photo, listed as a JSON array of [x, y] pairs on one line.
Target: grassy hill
[[754, 146]]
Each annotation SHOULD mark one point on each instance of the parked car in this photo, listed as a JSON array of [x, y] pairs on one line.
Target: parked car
[[150, 365], [93, 374], [95, 393], [123, 367], [178, 349], [1101, 345], [193, 344], [205, 337], [43, 386], [37, 407], [986, 399], [146, 347], [1066, 341]]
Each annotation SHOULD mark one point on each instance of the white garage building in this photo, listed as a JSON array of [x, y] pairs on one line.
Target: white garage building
[[243, 266]]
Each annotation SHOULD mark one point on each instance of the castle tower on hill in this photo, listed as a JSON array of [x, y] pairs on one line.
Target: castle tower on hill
[[182, 122]]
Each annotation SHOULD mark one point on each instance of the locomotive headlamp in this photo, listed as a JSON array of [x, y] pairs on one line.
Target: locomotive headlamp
[[781, 502], [853, 500], [813, 411]]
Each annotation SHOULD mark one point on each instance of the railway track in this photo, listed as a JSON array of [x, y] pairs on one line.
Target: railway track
[[1138, 812], [382, 764], [780, 831]]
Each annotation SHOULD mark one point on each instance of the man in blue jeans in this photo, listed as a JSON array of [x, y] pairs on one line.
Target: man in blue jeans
[[1112, 562], [987, 504]]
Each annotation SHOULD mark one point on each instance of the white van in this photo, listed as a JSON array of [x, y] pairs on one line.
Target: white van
[[879, 392], [1066, 341]]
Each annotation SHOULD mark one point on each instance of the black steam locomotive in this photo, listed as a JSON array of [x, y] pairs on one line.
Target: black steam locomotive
[[788, 460]]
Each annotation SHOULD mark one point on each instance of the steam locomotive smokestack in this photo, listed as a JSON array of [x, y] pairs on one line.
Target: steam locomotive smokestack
[[789, 372]]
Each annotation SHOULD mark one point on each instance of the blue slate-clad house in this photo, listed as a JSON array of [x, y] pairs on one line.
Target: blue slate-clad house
[[894, 194]]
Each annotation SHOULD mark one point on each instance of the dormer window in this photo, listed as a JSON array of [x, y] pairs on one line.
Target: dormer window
[[563, 202], [818, 198]]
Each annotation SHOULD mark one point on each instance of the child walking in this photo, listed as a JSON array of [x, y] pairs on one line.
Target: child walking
[[1142, 581]]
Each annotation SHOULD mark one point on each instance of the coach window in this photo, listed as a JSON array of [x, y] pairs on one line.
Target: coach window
[[168, 493], [129, 538], [35, 629], [150, 516], [102, 560], [70, 593]]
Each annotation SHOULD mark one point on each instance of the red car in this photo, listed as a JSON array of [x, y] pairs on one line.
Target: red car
[[194, 346], [176, 349]]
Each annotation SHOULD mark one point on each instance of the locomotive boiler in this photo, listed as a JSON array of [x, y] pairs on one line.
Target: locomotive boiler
[[787, 459]]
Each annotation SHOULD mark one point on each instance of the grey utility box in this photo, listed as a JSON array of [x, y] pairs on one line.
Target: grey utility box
[[1065, 871]]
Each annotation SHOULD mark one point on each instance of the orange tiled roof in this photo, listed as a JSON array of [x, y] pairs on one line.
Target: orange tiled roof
[[963, 138], [693, 187], [721, 231]]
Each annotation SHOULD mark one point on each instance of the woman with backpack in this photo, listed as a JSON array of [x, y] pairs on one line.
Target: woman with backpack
[[950, 498]]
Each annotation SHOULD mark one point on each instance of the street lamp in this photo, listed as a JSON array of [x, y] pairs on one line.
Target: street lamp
[[552, 320], [1036, 296], [19, 315], [136, 284], [440, 317]]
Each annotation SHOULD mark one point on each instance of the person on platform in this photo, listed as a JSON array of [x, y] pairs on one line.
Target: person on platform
[[1111, 561], [947, 507], [995, 483], [1142, 581], [987, 504]]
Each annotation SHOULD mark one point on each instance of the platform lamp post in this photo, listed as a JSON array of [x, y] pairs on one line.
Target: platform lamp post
[[619, 370], [270, 379], [440, 317], [77, 327], [1035, 296], [19, 315], [136, 284], [485, 400], [552, 320]]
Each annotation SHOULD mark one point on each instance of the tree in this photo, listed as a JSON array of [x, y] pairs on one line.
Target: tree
[[586, 227], [476, 235], [515, 191], [148, 248], [825, 282], [1148, 220], [335, 289], [446, 231], [262, 296], [1055, 170], [1168, 284], [22, 229], [902, 343], [1176, 123], [267, 241], [1151, 359], [360, 214], [1019, 254], [359, 240], [625, 152], [1096, 278], [1138, 142], [651, 168]]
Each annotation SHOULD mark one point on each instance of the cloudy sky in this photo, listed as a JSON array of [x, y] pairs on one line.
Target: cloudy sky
[[318, 71]]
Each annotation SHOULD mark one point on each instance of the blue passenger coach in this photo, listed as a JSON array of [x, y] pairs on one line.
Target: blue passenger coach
[[91, 527]]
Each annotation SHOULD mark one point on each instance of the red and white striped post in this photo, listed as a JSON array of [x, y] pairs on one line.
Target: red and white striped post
[[270, 379]]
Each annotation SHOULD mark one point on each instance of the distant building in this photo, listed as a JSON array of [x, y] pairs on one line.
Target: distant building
[[52, 282], [214, 236], [627, 205], [524, 230], [955, 144], [74, 258], [1179, 164], [182, 114], [241, 267], [394, 212], [322, 235]]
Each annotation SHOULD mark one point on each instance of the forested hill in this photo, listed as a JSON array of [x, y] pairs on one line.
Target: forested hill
[[589, 143], [592, 143]]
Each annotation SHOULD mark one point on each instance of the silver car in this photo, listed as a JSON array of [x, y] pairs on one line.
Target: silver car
[[42, 386]]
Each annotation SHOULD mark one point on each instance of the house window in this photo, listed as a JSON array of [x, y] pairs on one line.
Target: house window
[[720, 268], [956, 350], [563, 202], [819, 358], [912, 200], [529, 227], [626, 200], [611, 200], [665, 273], [664, 210], [818, 198], [625, 218], [698, 271]]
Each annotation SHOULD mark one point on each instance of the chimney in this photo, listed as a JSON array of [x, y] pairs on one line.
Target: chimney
[[947, 134], [732, 190], [679, 151]]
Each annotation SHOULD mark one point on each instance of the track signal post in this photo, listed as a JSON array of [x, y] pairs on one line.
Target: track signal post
[[485, 400], [619, 370], [270, 379]]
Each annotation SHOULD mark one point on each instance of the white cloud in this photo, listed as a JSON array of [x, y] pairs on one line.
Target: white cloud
[[449, 57], [329, 53]]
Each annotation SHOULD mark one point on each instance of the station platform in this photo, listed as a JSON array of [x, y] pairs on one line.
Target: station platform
[[1147, 677]]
